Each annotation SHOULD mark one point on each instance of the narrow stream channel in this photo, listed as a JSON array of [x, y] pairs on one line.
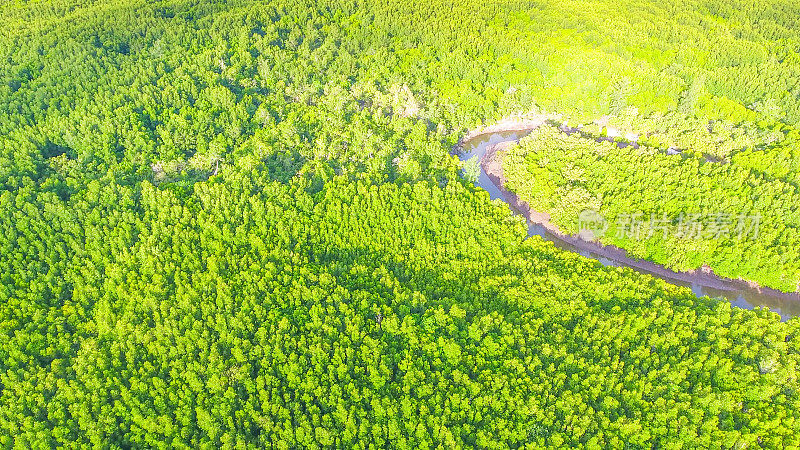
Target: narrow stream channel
[[747, 298]]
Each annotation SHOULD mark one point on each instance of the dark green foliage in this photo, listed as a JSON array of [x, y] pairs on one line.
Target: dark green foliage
[[250, 311], [237, 224]]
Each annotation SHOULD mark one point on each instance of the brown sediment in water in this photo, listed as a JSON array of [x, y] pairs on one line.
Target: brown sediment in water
[[491, 163], [507, 124]]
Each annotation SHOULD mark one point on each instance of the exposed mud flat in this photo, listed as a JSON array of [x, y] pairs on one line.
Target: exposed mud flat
[[488, 143]]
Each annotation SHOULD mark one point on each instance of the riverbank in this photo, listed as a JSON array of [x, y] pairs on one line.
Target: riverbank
[[522, 123], [491, 165]]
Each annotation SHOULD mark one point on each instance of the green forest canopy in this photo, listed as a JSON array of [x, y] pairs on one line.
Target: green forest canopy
[[238, 224], [681, 211]]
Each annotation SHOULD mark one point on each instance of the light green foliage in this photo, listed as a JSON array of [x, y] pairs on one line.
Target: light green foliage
[[471, 169], [252, 312], [566, 174], [233, 224]]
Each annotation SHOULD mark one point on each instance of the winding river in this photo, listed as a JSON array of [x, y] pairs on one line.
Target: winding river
[[701, 284]]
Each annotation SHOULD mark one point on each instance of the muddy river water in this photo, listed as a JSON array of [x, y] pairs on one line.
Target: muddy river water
[[737, 292]]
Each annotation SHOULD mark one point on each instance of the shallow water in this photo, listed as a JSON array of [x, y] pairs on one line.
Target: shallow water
[[747, 298]]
